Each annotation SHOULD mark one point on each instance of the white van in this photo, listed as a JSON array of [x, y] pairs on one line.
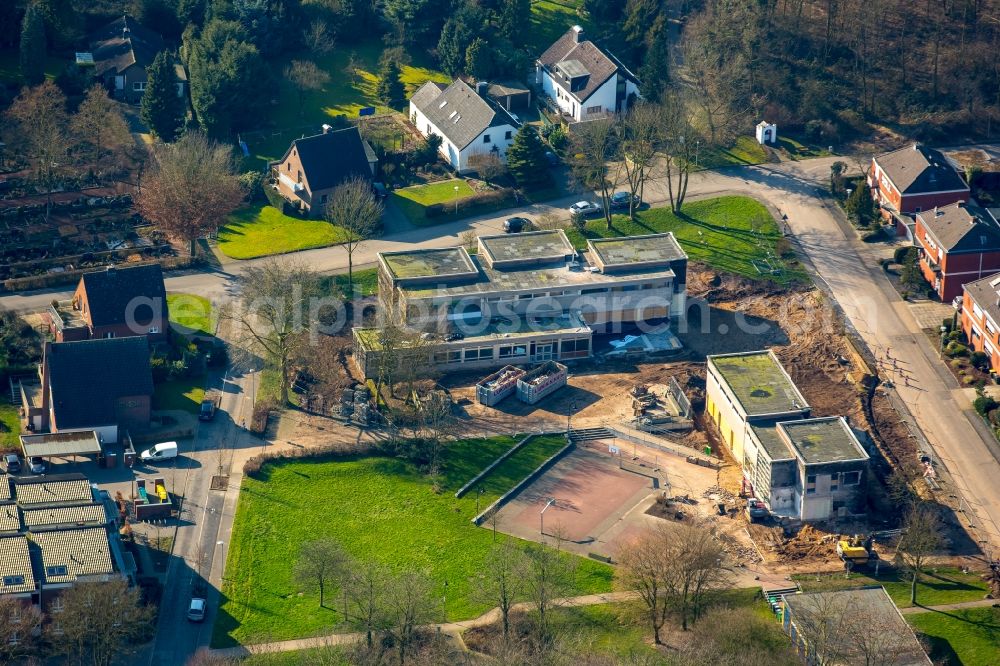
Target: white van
[[161, 451]]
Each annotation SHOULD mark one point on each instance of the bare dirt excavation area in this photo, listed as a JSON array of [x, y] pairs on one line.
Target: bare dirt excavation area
[[608, 487]]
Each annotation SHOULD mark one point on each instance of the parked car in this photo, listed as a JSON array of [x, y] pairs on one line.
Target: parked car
[[619, 201], [207, 410], [585, 208], [196, 609], [12, 463], [514, 225], [454, 335], [37, 465], [552, 158], [158, 452]]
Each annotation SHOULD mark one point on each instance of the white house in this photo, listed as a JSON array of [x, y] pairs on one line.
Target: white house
[[468, 121], [583, 80]]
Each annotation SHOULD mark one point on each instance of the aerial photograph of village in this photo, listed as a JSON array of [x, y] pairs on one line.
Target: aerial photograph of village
[[500, 332]]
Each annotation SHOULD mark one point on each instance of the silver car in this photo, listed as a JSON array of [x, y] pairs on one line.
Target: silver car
[[196, 609], [585, 208]]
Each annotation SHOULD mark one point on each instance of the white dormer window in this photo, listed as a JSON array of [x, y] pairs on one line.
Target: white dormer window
[[452, 114], [442, 104], [457, 118]]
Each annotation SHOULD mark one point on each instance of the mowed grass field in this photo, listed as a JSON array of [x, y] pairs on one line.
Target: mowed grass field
[[728, 233], [414, 200], [967, 637], [260, 230], [190, 314], [946, 585], [378, 508], [10, 426]]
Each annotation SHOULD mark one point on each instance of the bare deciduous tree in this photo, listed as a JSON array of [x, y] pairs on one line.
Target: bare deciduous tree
[[318, 37], [680, 147], [39, 121], [192, 189], [920, 540], [640, 134], [594, 146], [488, 165], [99, 123], [547, 576], [321, 563], [737, 637], [364, 592], [500, 582], [354, 208], [410, 605], [19, 622], [306, 77]]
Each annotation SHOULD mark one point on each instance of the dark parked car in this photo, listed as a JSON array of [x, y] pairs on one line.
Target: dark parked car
[[12, 463], [37, 465], [514, 225], [207, 411], [619, 201]]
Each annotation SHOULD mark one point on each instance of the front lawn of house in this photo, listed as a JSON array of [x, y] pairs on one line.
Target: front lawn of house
[[181, 394], [744, 151], [10, 426], [378, 508], [413, 200], [967, 637], [259, 231], [190, 314], [946, 585], [733, 233]]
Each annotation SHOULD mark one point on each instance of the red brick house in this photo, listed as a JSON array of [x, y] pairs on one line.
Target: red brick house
[[958, 243], [98, 385], [114, 303], [914, 179], [313, 166], [981, 317]]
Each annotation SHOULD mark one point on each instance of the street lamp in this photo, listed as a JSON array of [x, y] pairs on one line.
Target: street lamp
[[479, 493], [541, 516], [944, 334], [569, 417], [222, 566], [456, 200]]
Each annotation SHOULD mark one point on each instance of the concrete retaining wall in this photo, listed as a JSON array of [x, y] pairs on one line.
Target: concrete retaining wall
[[522, 484]]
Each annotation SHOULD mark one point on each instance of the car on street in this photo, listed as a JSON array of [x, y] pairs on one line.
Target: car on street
[[585, 208], [207, 410], [619, 201], [196, 609], [37, 465], [159, 452], [514, 225], [12, 463]]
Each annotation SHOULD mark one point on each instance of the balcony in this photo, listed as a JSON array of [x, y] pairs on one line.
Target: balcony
[[66, 318]]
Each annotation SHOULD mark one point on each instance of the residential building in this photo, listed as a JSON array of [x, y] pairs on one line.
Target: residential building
[[855, 626], [749, 389], [981, 317], [114, 302], [524, 298], [57, 531], [120, 53], [808, 469], [511, 95], [313, 166], [97, 385], [469, 122], [914, 179], [958, 243], [583, 80]]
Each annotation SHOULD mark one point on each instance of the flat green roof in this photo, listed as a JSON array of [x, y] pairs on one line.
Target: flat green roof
[[823, 440], [759, 382], [630, 251], [448, 262], [539, 246], [772, 442]]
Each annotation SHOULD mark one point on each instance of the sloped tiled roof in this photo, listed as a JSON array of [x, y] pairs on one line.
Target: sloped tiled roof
[[985, 292], [459, 112], [917, 169], [598, 63], [330, 158], [962, 227], [15, 566], [88, 377], [10, 521], [6, 493], [111, 290], [60, 489], [123, 43], [83, 552], [87, 514]]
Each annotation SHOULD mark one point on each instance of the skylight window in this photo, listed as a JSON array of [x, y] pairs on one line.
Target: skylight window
[[453, 114], [58, 570], [441, 105], [457, 118], [13, 580]]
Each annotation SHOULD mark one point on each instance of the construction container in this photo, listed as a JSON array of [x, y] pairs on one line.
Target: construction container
[[499, 385], [540, 382]]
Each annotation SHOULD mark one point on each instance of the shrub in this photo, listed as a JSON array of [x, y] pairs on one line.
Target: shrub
[[578, 221], [957, 363], [900, 254], [984, 404], [979, 360], [483, 202], [784, 248], [873, 236], [956, 349], [558, 137], [955, 336], [968, 380], [994, 417]]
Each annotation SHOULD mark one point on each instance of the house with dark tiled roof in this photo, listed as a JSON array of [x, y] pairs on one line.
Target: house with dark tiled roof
[[468, 120], [981, 317], [583, 80], [313, 166], [914, 179], [958, 243], [114, 302], [98, 385], [120, 53]]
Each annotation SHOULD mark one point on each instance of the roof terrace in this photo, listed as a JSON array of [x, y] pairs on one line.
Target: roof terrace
[[822, 440], [759, 383]]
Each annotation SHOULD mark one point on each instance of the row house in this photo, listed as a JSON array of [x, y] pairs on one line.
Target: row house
[[914, 179], [958, 243], [980, 318]]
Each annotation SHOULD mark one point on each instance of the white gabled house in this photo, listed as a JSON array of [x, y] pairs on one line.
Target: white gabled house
[[583, 80], [467, 120]]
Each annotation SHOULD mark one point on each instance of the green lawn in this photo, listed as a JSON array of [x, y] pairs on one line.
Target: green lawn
[[797, 150], [10, 426], [380, 509], [259, 231], [746, 150], [550, 19], [344, 95], [10, 67], [365, 280], [414, 200], [945, 586], [968, 637], [729, 233], [181, 394], [466, 458], [269, 387], [190, 314]]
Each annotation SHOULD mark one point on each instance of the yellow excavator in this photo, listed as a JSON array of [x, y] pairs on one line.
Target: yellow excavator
[[856, 551]]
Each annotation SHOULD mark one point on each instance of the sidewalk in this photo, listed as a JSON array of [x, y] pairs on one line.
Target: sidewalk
[[979, 603]]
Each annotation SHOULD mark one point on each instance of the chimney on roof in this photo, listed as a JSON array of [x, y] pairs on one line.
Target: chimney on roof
[[110, 270], [915, 147], [577, 34], [482, 87], [326, 128]]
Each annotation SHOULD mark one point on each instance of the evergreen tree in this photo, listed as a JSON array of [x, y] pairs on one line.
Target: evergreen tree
[[860, 206], [479, 60], [526, 159], [33, 46], [390, 90], [514, 16], [451, 46], [162, 109], [654, 74]]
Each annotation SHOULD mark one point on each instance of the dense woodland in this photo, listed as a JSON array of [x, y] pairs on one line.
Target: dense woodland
[[831, 69]]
